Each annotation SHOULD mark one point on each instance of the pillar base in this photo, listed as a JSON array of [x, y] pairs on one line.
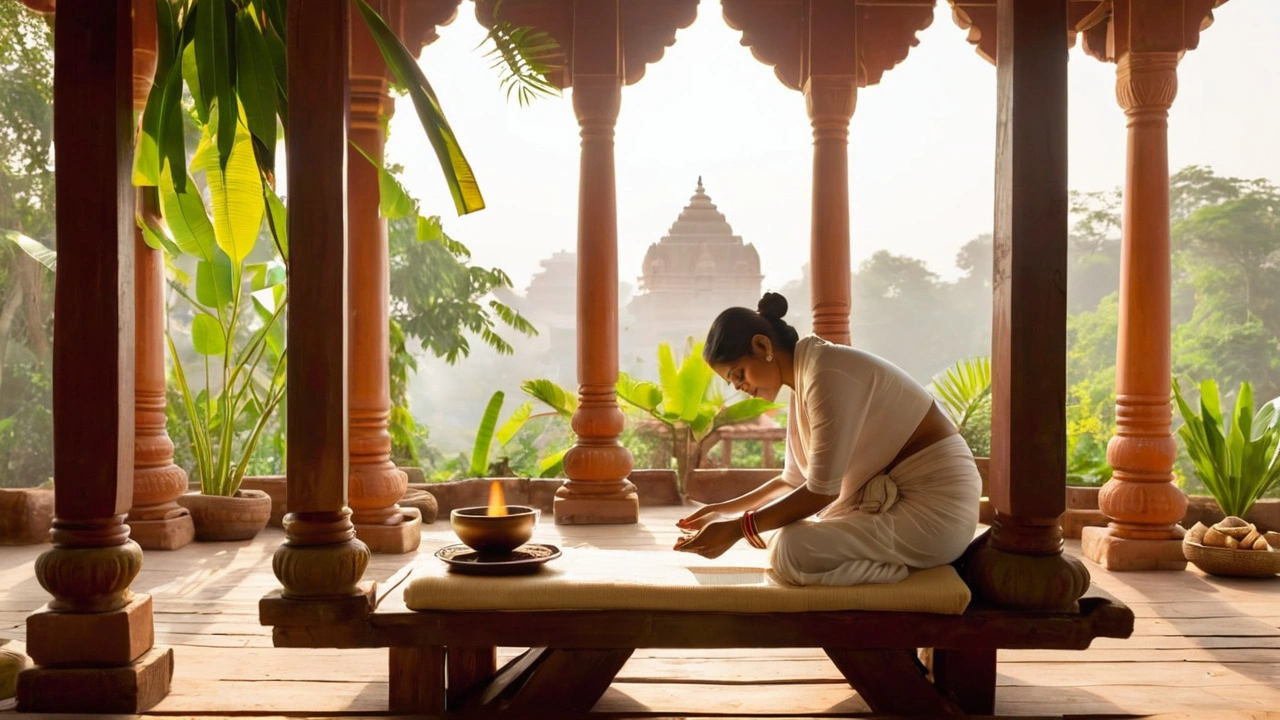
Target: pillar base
[[613, 509], [1123, 554], [165, 534], [277, 610], [117, 638], [402, 537], [133, 688]]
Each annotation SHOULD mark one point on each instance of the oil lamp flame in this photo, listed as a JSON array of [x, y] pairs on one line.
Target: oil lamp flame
[[497, 501]]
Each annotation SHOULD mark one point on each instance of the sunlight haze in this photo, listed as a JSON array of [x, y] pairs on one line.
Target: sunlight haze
[[921, 143]]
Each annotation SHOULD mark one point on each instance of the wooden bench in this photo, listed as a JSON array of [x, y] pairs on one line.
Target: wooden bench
[[446, 660]]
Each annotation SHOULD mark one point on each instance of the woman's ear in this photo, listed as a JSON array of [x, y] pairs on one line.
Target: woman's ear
[[761, 346]]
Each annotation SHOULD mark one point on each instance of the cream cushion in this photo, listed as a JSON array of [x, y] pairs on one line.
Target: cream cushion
[[596, 579]]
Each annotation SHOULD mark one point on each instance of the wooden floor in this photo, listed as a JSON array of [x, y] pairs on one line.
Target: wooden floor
[[1201, 644]]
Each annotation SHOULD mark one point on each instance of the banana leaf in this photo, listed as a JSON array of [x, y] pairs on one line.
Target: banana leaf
[[484, 436], [457, 171]]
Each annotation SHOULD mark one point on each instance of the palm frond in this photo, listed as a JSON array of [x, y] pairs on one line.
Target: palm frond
[[523, 57], [963, 388]]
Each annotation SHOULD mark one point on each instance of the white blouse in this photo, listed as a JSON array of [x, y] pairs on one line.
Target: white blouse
[[851, 413]]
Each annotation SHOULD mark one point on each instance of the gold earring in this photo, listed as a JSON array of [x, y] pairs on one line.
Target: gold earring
[[768, 358]]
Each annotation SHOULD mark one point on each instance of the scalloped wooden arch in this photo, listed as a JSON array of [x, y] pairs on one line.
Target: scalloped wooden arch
[[779, 34], [646, 29], [1103, 25]]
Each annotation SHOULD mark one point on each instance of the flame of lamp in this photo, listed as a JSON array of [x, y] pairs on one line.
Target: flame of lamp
[[493, 534]]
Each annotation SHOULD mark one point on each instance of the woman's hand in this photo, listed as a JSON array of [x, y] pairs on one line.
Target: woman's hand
[[713, 540], [700, 517]]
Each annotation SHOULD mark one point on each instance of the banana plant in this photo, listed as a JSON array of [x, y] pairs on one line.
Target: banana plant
[[687, 400], [488, 432], [236, 329], [1236, 455]]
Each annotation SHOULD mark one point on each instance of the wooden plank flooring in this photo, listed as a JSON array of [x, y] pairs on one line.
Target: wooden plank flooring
[[1200, 644]]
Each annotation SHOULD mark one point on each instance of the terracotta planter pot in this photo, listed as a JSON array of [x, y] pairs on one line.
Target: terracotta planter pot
[[228, 518], [276, 489]]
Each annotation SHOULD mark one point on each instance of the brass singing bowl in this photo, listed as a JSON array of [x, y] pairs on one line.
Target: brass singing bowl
[[493, 534]]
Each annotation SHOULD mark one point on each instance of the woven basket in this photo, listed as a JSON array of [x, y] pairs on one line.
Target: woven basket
[[1232, 563]]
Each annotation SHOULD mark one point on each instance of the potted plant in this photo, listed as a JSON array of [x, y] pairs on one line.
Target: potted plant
[[689, 405], [236, 329], [1237, 457]]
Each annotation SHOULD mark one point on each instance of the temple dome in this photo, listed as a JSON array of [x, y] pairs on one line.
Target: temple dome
[[700, 243]]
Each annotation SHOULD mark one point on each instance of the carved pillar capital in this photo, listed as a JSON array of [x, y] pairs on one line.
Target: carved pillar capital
[[830, 101], [1146, 84], [597, 99]]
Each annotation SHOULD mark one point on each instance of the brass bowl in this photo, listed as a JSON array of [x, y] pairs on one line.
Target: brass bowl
[[493, 534]]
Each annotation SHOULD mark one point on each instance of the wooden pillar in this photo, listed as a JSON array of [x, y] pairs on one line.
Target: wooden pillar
[[156, 521], [92, 563], [1140, 499], [1022, 564], [376, 484], [831, 93], [321, 559], [597, 465]]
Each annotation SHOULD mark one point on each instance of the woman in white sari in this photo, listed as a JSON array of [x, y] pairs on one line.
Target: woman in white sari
[[877, 480]]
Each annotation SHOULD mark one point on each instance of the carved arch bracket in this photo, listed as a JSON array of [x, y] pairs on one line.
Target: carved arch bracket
[[780, 34], [419, 20], [1103, 25], [646, 28]]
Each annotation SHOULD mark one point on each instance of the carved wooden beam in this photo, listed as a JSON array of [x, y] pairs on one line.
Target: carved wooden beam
[[978, 17], [779, 34], [647, 27]]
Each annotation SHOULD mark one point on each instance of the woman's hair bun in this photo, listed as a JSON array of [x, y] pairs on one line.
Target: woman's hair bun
[[772, 305]]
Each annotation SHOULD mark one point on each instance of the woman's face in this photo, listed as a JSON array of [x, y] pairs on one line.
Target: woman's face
[[757, 374]]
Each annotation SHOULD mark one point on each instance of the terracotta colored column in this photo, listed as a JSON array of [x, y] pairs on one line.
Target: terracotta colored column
[[1022, 564], [93, 642], [1143, 503], [831, 93], [156, 521], [376, 484], [321, 560], [597, 465]]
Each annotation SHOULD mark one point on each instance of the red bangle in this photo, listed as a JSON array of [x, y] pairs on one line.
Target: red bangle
[[750, 532]]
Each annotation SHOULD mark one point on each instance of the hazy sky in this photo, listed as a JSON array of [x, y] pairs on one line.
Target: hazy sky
[[921, 142]]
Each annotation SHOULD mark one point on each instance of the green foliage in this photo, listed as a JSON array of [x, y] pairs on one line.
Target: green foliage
[[1236, 455], [687, 402], [963, 389], [524, 57]]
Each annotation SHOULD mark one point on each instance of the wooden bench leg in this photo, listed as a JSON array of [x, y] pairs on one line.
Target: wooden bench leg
[[566, 681], [469, 668], [890, 682], [967, 676], [417, 680]]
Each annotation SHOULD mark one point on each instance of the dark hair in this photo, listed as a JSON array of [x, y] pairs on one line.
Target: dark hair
[[729, 339]]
